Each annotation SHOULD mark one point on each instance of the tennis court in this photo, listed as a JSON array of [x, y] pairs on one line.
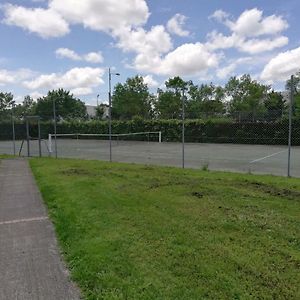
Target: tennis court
[[264, 159]]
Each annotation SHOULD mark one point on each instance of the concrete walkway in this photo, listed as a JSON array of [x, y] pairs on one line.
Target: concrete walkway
[[30, 263]]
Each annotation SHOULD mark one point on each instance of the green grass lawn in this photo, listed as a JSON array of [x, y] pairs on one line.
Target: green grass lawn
[[142, 232]]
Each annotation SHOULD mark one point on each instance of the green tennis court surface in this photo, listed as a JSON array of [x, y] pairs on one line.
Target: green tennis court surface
[[264, 159]]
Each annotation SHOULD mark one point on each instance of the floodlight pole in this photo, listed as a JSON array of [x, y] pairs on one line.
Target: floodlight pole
[[183, 127], [97, 100], [290, 125], [109, 110], [54, 120]]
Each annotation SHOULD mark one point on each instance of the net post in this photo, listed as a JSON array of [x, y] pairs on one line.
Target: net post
[[159, 136], [50, 144]]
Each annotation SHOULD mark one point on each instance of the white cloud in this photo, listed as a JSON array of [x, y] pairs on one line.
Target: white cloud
[[54, 21], [150, 81], [245, 32], [225, 72], [9, 77], [175, 25], [92, 57], [188, 59], [81, 91], [44, 22], [73, 79], [152, 42], [254, 46], [217, 40], [252, 23], [5, 77], [219, 15], [36, 95], [103, 15], [67, 53], [282, 66], [228, 70]]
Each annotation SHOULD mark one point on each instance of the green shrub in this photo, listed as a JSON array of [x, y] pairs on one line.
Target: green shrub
[[197, 131]]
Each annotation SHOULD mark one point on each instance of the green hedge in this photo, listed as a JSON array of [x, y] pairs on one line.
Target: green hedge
[[216, 131]]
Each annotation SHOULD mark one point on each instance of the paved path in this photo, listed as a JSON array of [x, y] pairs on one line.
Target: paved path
[[30, 263]]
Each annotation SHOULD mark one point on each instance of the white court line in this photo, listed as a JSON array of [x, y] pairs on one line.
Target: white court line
[[23, 220], [259, 159]]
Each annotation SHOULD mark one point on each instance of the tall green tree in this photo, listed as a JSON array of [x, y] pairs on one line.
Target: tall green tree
[[275, 105], [26, 108], [132, 99], [246, 95], [169, 102], [205, 100], [296, 83], [67, 106], [168, 105], [6, 103]]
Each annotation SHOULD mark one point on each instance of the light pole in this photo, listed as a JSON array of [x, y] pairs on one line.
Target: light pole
[[97, 100], [109, 109]]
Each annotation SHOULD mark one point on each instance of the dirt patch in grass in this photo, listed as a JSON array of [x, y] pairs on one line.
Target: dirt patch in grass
[[272, 190], [197, 194], [77, 172], [176, 181]]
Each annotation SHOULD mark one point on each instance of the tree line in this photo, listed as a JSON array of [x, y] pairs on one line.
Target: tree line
[[241, 97], [67, 106]]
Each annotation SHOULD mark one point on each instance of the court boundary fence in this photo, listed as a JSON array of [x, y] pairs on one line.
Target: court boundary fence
[[181, 123]]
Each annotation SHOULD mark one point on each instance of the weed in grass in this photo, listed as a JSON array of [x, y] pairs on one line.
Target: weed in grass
[[205, 167], [76, 172], [197, 194]]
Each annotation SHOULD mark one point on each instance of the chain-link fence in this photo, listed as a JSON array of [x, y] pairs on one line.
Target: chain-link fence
[[242, 141], [24, 138]]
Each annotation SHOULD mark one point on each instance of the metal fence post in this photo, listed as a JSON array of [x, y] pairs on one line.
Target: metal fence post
[[54, 119], [39, 138], [27, 137], [13, 129], [290, 125], [183, 129]]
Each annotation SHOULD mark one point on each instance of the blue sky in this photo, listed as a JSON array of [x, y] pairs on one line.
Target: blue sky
[[70, 44]]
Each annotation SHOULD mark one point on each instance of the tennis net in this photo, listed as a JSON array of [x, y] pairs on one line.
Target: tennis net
[[151, 136]]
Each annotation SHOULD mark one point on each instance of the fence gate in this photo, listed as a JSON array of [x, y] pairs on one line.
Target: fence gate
[[32, 125]]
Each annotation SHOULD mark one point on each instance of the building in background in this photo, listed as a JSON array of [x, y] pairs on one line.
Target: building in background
[[103, 111]]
